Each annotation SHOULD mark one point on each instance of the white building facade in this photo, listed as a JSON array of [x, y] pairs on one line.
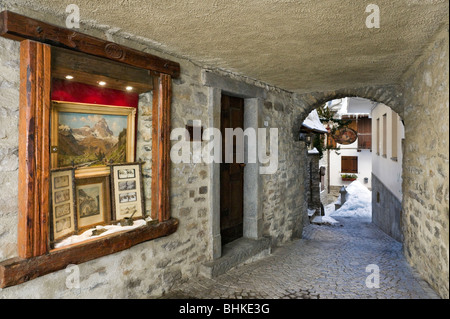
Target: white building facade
[[387, 133], [352, 158]]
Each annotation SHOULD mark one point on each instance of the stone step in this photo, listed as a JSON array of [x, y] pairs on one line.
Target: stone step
[[238, 252]]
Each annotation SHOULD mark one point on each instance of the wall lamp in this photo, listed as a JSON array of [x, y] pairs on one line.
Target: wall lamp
[[305, 137]]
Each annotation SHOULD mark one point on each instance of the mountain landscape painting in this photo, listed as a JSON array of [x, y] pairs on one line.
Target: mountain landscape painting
[[91, 139]]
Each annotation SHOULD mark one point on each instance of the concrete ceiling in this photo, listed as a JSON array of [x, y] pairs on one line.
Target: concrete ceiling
[[295, 45]]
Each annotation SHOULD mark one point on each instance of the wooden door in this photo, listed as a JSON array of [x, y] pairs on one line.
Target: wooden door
[[231, 174]]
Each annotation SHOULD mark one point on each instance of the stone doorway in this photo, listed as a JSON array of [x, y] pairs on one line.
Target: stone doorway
[[251, 243]]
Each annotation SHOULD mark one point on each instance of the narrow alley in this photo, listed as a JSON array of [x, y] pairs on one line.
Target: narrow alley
[[328, 262]]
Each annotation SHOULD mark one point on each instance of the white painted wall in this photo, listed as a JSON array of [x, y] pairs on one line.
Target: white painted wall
[[352, 106], [356, 105], [387, 169], [364, 165]]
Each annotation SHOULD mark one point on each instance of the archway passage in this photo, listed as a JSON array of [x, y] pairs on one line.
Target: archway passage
[[357, 165], [423, 108], [389, 95]]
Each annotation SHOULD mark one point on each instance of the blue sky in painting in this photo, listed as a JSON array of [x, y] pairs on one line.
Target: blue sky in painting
[[116, 123]]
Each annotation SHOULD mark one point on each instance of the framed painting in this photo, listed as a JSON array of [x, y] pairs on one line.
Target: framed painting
[[91, 136], [63, 217], [127, 190], [92, 201]]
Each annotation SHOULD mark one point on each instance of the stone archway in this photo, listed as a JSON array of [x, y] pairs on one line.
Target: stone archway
[[420, 98], [391, 96], [388, 95]]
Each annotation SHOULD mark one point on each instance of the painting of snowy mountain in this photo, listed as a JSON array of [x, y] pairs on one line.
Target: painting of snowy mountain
[[91, 139]]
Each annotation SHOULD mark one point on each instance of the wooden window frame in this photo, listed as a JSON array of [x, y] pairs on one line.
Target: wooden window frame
[[394, 136], [364, 130], [35, 258], [384, 136], [377, 145]]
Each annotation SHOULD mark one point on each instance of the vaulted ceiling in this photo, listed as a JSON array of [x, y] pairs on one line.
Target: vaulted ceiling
[[296, 45]]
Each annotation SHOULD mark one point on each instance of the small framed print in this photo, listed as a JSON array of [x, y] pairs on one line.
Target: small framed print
[[92, 201], [127, 190], [63, 217]]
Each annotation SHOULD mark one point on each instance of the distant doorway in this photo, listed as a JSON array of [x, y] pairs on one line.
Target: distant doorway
[[231, 174]]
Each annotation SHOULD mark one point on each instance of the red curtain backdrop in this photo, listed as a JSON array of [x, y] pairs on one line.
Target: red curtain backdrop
[[69, 91]]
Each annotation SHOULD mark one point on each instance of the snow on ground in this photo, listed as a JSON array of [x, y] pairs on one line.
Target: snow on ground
[[327, 220], [358, 202]]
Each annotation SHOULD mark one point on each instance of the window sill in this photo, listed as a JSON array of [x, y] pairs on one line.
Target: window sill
[[16, 270]]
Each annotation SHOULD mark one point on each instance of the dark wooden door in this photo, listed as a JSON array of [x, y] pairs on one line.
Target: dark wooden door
[[231, 174]]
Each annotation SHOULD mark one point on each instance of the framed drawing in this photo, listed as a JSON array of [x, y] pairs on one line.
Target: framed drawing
[[127, 190], [92, 201], [63, 217], [90, 136]]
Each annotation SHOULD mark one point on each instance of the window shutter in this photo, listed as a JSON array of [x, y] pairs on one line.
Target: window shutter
[[365, 133], [349, 164]]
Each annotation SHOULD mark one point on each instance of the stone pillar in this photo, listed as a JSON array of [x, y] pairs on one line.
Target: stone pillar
[[252, 178], [314, 182]]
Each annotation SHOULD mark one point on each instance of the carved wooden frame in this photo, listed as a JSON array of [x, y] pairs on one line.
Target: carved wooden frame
[[35, 257]]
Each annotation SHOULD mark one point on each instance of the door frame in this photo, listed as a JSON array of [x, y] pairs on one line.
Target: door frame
[[253, 104]]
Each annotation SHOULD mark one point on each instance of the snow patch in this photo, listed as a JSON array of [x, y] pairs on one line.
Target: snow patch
[[313, 122], [327, 220], [358, 202], [78, 137], [313, 151], [63, 127]]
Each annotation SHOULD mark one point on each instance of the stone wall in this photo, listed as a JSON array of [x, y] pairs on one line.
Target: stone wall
[[144, 144], [313, 193], [284, 202], [386, 210], [426, 164], [9, 137]]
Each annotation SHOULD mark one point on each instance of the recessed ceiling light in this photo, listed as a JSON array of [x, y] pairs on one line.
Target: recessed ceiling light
[[69, 77], [102, 83], [129, 88]]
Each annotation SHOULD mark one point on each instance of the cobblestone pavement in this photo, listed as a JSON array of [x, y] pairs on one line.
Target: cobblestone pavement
[[328, 263]]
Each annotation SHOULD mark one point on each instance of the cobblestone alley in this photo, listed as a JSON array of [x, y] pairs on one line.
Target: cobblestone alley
[[329, 262]]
